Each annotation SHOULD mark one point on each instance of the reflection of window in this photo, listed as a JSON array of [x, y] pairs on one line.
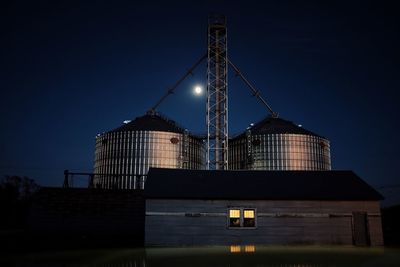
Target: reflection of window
[[250, 248], [235, 249], [242, 217]]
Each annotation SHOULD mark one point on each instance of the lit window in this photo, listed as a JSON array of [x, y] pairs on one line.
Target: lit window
[[249, 218], [234, 218], [240, 217]]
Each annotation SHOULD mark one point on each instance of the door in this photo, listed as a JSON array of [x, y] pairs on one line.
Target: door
[[360, 229]]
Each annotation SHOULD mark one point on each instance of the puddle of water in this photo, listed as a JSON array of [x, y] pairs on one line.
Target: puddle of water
[[212, 256]]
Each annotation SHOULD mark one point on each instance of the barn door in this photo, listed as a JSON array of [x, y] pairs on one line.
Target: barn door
[[360, 229]]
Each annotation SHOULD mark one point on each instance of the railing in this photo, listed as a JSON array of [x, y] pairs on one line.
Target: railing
[[138, 180]]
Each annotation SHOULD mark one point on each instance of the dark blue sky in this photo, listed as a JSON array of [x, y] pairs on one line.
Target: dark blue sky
[[71, 70]]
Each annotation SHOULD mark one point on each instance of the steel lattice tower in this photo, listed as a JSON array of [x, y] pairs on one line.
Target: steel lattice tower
[[217, 95]]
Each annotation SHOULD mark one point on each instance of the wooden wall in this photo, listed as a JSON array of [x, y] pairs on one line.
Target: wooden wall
[[81, 214], [204, 222]]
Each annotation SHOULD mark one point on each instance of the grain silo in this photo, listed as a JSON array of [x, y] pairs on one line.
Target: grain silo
[[278, 144], [123, 156]]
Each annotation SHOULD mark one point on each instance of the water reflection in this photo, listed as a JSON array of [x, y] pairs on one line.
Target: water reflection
[[212, 256], [235, 249], [246, 249], [250, 248]]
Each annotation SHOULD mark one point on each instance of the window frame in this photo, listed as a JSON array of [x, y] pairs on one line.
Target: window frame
[[241, 227]]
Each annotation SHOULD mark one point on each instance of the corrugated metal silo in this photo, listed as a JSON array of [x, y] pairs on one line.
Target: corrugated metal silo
[[123, 156], [278, 144]]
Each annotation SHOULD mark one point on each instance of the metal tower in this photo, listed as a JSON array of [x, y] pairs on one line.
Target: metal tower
[[217, 95]]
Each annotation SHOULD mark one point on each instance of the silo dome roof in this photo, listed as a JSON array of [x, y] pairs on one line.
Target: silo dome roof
[[151, 122], [271, 125]]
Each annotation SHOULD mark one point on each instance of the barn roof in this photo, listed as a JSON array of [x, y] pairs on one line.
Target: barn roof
[[268, 185]]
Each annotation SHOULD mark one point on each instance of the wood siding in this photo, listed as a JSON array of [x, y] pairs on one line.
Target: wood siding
[[204, 222], [82, 214]]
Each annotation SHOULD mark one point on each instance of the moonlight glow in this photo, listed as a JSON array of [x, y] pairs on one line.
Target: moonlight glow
[[198, 90]]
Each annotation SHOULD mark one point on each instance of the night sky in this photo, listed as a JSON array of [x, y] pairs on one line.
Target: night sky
[[71, 70]]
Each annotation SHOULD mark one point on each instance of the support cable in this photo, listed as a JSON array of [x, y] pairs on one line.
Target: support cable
[[171, 90], [253, 89]]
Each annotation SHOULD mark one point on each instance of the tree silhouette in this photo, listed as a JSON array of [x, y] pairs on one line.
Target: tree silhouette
[[15, 196]]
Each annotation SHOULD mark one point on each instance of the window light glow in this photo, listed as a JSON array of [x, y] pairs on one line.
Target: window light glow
[[249, 213], [234, 213]]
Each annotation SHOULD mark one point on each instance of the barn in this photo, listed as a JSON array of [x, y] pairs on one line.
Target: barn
[[200, 207]]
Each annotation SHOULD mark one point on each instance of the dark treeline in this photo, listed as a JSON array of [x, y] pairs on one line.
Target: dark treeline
[[15, 199]]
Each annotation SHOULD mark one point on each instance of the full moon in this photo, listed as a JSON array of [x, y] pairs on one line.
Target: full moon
[[198, 90]]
